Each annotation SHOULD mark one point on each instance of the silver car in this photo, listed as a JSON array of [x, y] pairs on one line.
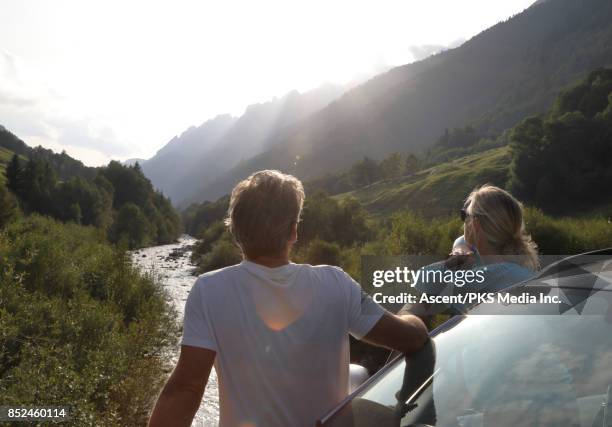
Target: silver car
[[506, 363]]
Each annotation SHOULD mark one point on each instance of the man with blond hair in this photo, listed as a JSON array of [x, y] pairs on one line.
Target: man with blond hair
[[276, 332]]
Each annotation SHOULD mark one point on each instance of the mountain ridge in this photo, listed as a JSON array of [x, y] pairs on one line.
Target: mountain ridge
[[509, 71], [202, 153]]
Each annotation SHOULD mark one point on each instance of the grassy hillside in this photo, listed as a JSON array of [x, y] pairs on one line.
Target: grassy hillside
[[439, 190], [5, 157], [65, 166]]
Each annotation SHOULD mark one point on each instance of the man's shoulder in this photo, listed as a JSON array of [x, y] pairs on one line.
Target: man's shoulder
[[220, 272], [216, 277], [324, 271]]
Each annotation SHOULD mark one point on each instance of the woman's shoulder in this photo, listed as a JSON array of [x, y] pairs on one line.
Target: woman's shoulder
[[440, 265], [508, 267], [506, 273]]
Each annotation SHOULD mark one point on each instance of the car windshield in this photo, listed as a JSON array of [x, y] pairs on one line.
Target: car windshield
[[523, 366]]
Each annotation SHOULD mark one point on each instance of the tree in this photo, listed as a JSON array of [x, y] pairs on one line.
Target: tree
[[129, 184], [327, 219], [411, 165], [75, 213], [38, 184], [93, 203], [8, 206], [14, 176], [458, 138], [562, 161], [365, 172], [392, 166], [590, 96], [320, 252], [132, 226], [348, 223]]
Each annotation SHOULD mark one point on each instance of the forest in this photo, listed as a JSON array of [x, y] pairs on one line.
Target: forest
[[118, 199], [79, 324]]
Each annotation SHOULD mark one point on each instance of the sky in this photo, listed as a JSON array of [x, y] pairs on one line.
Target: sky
[[118, 79]]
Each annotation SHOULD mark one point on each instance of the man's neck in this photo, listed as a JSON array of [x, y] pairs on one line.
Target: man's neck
[[270, 261]]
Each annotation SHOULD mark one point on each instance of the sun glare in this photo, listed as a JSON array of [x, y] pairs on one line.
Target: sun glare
[[150, 70]]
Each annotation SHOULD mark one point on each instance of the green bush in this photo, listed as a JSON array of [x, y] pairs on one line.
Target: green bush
[[198, 217], [325, 218], [223, 254], [208, 238], [79, 325], [8, 206], [568, 236], [412, 234], [320, 252]]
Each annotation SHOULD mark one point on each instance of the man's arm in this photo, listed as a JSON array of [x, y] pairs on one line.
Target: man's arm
[[404, 333], [421, 310], [182, 394]]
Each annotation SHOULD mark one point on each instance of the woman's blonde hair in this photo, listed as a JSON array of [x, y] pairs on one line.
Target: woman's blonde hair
[[262, 210], [500, 217]]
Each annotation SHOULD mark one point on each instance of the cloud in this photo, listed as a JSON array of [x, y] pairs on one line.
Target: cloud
[[89, 133], [38, 115], [15, 89]]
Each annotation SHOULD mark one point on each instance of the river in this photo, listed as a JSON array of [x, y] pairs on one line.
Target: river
[[171, 264]]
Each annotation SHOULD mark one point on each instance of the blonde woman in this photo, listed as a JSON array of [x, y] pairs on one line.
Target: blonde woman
[[495, 247], [494, 227]]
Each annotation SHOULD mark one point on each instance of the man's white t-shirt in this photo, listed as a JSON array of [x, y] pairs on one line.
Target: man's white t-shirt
[[281, 337]]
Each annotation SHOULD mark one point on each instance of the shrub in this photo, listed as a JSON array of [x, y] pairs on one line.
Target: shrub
[[568, 236], [412, 234], [223, 254], [79, 325], [209, 236], [320, 252], [325, 218], [8, 206]]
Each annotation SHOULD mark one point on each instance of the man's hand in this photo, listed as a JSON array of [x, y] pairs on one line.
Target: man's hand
[[182, 394], [404, 333]]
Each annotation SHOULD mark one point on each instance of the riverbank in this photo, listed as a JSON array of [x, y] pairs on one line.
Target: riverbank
[[172, 266]]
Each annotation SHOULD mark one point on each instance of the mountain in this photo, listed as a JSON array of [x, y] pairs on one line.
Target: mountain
[[65, 166], [203, 153], [173, 163], [503, 74]]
